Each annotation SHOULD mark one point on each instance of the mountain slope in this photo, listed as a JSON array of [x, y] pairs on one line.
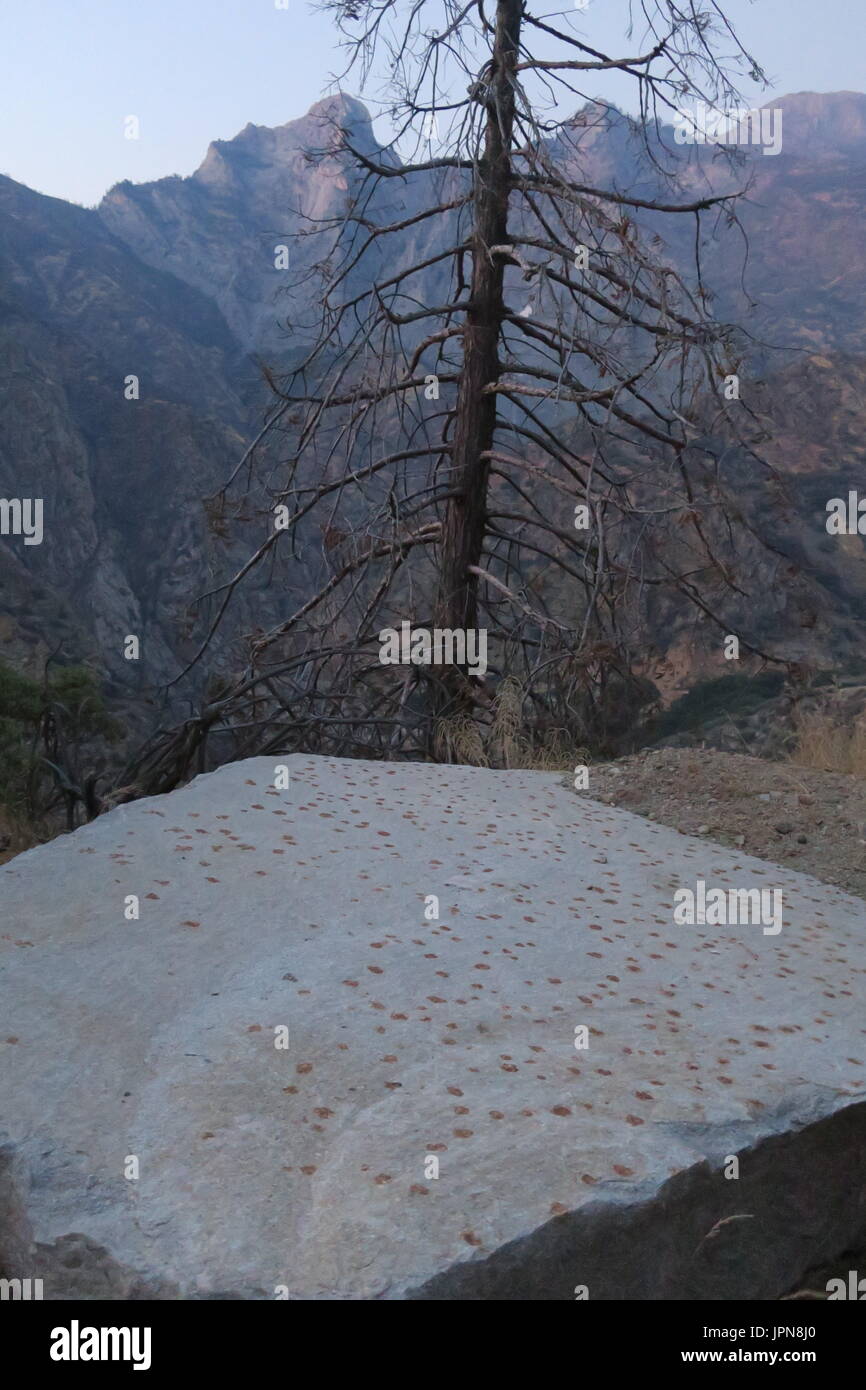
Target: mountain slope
[[219, 229], [175, 282], [121, 479]]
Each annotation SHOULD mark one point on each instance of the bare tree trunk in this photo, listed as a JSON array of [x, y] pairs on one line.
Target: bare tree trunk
[[464, 522], [604, 394]]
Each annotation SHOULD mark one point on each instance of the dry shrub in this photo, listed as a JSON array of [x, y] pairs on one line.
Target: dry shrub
[[16, 835], [511, 741], [558, 754], [458, 740], [823, 743], [507, 740]]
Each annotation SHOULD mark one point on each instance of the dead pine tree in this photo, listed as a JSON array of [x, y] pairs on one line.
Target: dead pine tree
[[507, 414]]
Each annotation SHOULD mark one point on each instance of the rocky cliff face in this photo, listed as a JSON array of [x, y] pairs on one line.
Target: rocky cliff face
[[121, 479], [220, 229], [803, 283], [176, 282], [803, 287]]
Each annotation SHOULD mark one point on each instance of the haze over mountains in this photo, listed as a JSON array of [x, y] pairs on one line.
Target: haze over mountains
[[174, 281]]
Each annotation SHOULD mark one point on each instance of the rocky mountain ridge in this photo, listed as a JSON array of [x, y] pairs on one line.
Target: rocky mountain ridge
[[175, 282]]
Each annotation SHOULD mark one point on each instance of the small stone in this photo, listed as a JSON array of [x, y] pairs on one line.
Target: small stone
[[703, 830], [783, 827], [739, 841]]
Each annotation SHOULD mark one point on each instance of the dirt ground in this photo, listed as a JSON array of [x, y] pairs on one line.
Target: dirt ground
[[805, 819]]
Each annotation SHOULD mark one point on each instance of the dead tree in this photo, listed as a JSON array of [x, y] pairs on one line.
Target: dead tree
[[551, 472]]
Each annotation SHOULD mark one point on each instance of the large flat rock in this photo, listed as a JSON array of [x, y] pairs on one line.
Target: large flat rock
[[309, 1167]]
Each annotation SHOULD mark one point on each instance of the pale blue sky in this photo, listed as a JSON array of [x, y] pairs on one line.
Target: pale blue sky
[[198, 70]]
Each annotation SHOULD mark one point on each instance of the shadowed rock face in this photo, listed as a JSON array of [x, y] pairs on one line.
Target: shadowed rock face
[[219, 228], [127, 546], [416, 1038], [122, 480], [175, 281], [804, 286]]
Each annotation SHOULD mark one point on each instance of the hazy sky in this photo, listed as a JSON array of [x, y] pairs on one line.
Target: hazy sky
[[197, 70]]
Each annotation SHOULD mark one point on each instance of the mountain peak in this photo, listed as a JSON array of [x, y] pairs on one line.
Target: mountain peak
[[820, 123], [339, 105], [260, 146]]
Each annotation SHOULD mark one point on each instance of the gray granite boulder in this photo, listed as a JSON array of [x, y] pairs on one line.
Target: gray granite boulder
[[404, 1031]]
